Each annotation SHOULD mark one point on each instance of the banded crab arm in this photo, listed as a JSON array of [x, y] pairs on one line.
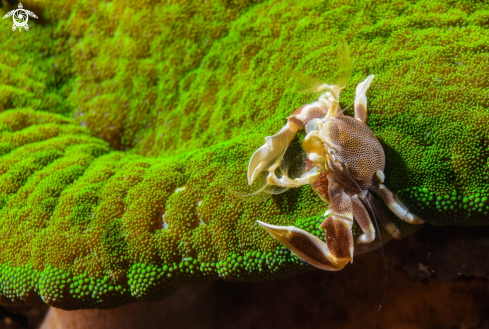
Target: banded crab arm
[[306, 246], [396, 205], [268, 156]]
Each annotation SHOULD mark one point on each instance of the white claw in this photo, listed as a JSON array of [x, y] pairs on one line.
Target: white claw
[[274, 147], [257, 162]]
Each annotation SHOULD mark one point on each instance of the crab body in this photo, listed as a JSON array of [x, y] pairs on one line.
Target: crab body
[[346, 163]]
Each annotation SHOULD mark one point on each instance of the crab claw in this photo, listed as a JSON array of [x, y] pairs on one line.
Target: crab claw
[[274, 147], [305, 246]]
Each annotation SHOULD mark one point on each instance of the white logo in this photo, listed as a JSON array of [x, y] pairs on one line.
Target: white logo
[[20, 17]]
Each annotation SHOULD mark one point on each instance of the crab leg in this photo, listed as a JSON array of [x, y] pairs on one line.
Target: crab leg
[[382, 218], [305, 246], [363, 219], [361, 99], [339, 237], [396, 206]]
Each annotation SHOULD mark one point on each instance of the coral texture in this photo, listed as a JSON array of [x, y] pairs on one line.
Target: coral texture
[[125, 129]]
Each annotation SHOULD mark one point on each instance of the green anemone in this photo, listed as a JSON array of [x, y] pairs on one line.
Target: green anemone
[[126, 129]]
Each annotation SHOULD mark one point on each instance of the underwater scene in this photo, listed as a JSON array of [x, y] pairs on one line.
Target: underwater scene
[[244, 164]]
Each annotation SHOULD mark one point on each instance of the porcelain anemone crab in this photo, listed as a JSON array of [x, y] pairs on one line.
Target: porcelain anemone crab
[[345, 164]]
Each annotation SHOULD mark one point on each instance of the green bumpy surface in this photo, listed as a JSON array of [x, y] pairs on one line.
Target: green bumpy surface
[[126, 128]]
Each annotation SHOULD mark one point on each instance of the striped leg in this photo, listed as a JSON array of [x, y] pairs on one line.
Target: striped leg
[[381, 216], [396, 206], [361, 99], [363, 219]]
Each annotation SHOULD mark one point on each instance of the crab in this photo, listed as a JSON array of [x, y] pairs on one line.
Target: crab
[[346, 165]]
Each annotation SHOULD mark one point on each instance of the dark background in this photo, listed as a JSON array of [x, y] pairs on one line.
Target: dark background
[[437, 278]]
